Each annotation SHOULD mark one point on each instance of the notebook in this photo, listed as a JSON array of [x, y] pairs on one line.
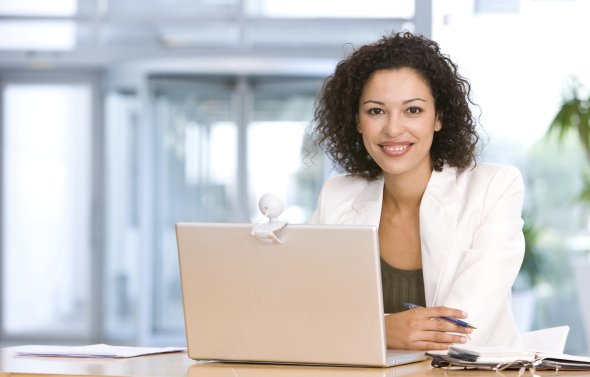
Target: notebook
[[313, 298], [500, 358]]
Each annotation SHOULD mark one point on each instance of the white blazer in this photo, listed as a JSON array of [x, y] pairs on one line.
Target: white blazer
[[471, 238]]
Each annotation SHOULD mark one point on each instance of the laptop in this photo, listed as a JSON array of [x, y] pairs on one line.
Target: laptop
[[313, 297]]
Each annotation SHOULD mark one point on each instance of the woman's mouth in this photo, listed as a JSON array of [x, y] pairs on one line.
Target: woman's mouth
[[396, 150]]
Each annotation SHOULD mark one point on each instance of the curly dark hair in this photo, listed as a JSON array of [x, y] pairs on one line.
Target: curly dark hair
[[337, 106]]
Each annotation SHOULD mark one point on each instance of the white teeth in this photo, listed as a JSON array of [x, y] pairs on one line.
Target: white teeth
[[395, 148]]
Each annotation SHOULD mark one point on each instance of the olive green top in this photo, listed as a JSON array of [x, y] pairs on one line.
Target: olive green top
[[401, 286]]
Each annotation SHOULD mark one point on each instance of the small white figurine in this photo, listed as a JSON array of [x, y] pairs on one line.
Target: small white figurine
[[271, 206]]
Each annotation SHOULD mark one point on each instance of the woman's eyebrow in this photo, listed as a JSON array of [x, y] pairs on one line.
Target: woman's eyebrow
[[374, 101], [404, 102], [414, 99]]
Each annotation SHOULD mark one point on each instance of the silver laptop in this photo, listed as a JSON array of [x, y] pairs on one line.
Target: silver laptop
[[313, 298]]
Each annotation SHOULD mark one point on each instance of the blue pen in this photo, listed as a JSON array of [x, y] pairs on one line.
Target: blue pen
[[449, 319]]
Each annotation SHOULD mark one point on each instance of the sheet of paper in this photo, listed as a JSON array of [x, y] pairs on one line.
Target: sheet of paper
[[549, 340], [95, 350]]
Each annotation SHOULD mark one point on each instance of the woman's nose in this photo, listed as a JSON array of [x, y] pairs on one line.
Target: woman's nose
[[394, 125]]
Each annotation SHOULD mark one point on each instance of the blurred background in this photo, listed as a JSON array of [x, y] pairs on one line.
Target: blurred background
[[120, 118]]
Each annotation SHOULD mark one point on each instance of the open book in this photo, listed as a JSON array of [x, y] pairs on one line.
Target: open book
[[498, 358]]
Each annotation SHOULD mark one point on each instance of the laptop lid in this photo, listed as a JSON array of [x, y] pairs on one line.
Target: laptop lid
[[315, 298]]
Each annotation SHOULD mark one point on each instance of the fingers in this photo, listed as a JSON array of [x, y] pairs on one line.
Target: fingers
[[441, 332], [437, 324], [441, 324], [440, 337], [429, 340], [442, 311], [417, 329]]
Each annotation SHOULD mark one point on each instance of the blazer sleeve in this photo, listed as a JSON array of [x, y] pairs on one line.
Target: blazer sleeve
[[487, 271]]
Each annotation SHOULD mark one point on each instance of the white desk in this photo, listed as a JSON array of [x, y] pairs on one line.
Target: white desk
[[178, 364]]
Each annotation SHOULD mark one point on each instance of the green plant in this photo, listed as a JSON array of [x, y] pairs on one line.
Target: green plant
[[574, 116], [532, 268]]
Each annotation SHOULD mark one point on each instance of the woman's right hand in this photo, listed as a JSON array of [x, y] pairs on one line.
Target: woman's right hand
[[419, 329]]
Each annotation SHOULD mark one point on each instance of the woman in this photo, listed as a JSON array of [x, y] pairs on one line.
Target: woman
[[395, 118]]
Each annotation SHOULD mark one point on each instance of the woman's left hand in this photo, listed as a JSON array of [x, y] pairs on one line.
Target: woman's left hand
[[419, 329]]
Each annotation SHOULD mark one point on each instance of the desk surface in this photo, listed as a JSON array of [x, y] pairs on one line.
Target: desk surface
[[178, 364]]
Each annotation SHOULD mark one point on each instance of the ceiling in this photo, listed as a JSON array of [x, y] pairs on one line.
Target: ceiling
[[105, 33]]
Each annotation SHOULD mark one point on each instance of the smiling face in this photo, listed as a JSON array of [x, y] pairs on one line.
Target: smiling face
[[397, 119]]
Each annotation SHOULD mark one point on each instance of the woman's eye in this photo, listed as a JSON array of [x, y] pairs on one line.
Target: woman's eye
[[375, 111], [414, 110]]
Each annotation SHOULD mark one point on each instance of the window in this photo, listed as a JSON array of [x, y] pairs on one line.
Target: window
[[329, 9], [281, 156], [46, 210], [519, 74], [39, 7], [123, 257], [46, 35], [39, 34]]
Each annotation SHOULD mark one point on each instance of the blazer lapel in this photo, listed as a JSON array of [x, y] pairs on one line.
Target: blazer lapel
[[367, 206], [438, 221]]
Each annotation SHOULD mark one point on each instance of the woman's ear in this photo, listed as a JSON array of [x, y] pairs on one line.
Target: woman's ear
[[358, 125], [438, 124]]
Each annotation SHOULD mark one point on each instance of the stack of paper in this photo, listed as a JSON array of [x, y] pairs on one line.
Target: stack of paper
[[95, 350]]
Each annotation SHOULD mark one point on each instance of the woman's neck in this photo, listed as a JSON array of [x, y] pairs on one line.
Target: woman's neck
[[403, 193]]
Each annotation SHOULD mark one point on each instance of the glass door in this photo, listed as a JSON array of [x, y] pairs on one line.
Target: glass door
[[195, 176], [219, 143]]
